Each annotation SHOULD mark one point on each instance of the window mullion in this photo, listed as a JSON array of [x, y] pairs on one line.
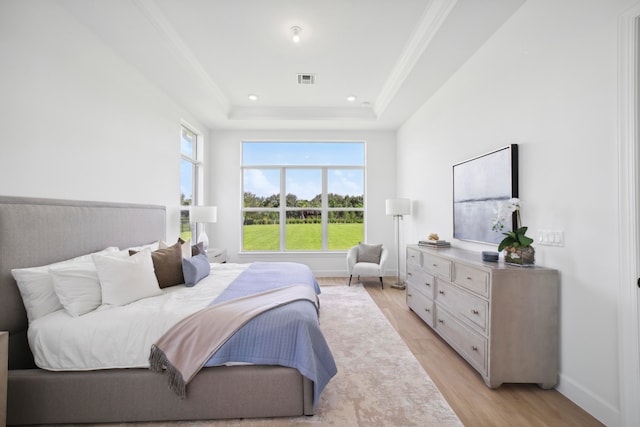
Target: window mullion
[[283, 209], [324, 215]]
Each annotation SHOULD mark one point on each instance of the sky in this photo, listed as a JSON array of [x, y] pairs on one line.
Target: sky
[[305, 183], [303, 153]]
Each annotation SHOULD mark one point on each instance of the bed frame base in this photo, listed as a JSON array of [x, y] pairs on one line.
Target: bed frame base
[[36, 396]]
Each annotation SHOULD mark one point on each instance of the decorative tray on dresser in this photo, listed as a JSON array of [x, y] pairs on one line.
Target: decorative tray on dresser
[[502, 319]]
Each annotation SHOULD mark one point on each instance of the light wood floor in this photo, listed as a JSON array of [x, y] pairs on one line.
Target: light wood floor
[[474, 403]]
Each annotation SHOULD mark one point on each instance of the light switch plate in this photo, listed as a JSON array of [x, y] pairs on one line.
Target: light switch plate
[[550, 238]]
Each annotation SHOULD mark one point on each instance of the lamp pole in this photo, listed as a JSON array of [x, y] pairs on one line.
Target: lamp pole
[[398, 284], [397, 208]]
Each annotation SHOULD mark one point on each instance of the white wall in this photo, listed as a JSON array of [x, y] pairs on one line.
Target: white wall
[[546, 81], [77, 122], [225, 192]]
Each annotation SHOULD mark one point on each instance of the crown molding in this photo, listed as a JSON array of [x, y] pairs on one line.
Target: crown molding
[[302, 113], [182, 53], [432, 19]]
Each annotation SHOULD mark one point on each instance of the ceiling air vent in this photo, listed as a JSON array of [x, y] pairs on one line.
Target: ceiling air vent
[[306, 79]]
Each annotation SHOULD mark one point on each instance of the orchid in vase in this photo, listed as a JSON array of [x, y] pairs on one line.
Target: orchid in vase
[[516, 244]]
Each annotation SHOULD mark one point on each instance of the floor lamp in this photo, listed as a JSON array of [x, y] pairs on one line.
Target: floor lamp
[[398, 208], [204, 214]]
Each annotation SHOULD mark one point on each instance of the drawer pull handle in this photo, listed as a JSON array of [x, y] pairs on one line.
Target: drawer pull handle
[[427, 310], [474, 348], [474, 311], [434, 265], [427, 283], [409, 274], [409, 295], [440, 321], [441, 292], [469, 278]]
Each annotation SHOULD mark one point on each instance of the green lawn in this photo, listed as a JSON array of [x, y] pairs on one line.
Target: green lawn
[[301, 236], [186, 235]]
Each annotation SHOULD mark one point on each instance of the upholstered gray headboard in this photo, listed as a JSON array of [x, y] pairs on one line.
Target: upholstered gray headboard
[[37, 232]]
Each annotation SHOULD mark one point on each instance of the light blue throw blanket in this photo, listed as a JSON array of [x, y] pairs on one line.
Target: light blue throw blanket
[[289, 335]]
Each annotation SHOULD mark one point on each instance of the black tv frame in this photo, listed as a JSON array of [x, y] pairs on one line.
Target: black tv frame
[[480, 184]]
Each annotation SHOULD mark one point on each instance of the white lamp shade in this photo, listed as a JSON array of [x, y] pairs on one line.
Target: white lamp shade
[[398, 207], [204, 214]]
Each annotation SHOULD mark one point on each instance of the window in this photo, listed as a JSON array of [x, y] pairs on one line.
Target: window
[[302, 196], [189, 178]]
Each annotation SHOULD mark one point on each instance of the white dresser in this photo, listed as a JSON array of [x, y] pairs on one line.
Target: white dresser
[[502, 319]]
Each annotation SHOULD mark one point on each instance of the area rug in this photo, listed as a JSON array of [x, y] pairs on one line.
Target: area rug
[[379, 381]]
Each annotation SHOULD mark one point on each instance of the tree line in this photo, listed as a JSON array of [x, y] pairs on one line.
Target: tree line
[[273, 201], [312, 216]]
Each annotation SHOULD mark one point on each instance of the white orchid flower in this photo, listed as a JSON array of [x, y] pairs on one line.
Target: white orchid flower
[[513, 204], [497, 222]]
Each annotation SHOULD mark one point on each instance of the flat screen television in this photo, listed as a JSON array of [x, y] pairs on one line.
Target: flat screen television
[[480, 185]]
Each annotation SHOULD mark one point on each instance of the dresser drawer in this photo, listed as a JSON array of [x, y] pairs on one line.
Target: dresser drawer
[[437, 266], [464, 305], [474, 279], [469, 344], [420, 304], [414, 257], [421, 279]]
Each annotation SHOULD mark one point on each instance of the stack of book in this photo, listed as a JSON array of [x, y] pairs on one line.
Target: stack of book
[[434, 243]]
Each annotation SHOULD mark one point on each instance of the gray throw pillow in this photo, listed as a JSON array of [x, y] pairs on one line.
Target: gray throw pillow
[[198, 249], [195, 269], [369, 253]]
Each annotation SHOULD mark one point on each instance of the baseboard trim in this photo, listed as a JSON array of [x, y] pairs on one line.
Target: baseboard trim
[[594, 405]]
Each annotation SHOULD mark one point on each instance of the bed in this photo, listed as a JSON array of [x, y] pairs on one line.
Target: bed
[[36, 232]]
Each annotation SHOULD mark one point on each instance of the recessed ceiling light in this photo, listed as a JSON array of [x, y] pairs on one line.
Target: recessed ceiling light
[[295, 30], [351, 98], [253, 97]]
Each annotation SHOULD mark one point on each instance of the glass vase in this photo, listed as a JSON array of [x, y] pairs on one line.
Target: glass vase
[[521, 256]]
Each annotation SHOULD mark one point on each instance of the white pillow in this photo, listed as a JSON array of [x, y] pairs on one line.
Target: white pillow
[[185, 247], [124, 280], [77, 287], [36, 286], [36, 289], [151, 246]]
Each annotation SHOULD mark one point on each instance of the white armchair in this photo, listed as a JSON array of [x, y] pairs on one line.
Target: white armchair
[[361, 261]]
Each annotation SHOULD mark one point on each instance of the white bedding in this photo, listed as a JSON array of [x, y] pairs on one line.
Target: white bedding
[[121, 337]]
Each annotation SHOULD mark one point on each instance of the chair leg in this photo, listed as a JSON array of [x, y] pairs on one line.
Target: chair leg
[[350, 279], [381, 284]]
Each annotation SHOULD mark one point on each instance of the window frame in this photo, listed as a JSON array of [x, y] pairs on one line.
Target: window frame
[[197, 176], [282, 209]]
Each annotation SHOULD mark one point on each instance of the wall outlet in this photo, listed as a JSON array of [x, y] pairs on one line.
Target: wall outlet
[[550, 238]]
